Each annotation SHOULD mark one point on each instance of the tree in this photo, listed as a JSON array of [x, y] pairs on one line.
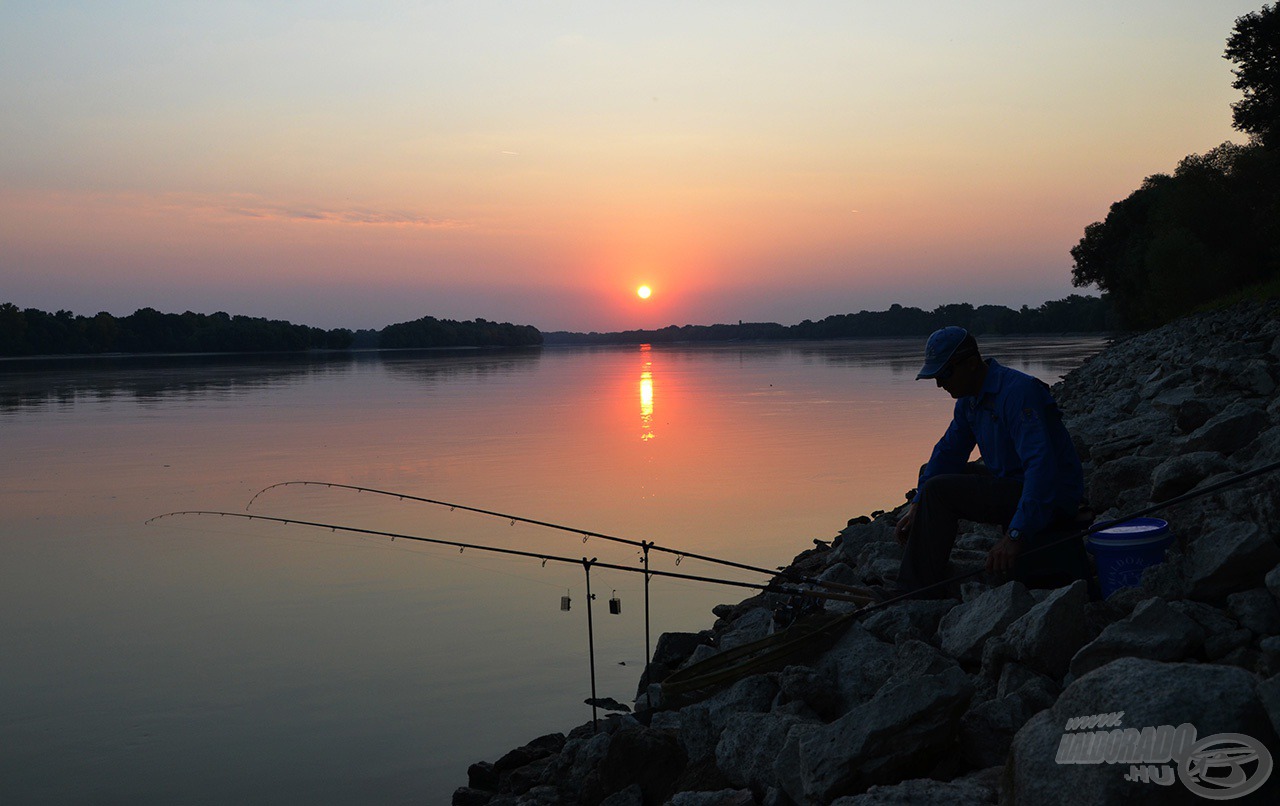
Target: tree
[[1254, 46]]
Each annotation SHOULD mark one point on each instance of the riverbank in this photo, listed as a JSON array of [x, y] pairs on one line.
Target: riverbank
[[971, 700]]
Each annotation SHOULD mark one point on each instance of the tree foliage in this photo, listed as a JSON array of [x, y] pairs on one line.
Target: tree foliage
[[1212, 227], [431, 332], [1254, 47]]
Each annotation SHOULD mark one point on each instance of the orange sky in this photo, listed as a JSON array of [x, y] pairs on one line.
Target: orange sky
[[354, 165]]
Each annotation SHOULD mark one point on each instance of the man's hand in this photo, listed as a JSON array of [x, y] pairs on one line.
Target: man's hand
[[1002, 556], [903, 530]]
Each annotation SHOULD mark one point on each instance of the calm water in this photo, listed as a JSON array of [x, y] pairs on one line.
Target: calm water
[[216, 660]]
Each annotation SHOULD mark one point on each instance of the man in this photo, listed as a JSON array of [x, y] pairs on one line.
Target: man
[[1030, 480]]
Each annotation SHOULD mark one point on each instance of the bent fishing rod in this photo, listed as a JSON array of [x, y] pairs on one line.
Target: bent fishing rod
[[644, 545], [545, 558]]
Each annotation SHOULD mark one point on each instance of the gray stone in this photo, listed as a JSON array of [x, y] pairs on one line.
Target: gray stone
[[918, 791], [1219, 645], [1181, 473], [1229, 430], [1154, 630], [1230, 557], [1272, 580], [723, 797], [903, 731], [1124, 473], [749, 745], [1193, 413], [1209, 699], [1047, 636], [987, 729], [1256, 610], [968, 626], [631, 796], [1269, 693], [859, 663], [750, 626], [701, 723], [913, 618]]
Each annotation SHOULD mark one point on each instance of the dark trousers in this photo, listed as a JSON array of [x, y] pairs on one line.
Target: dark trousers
[[977, 495]]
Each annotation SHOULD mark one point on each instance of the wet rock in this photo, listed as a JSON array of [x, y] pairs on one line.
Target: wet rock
[[902, 732], [1154, 630], [1182, 473], [1230, 557], [1147, 694], [968, 626]]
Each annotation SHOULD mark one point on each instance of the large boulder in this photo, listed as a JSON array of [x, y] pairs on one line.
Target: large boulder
[[966, 628], [1181, 473], [912, 618], [1229, 430], [749, 745], [859, 663], [1051, 759], [701, 723], [1154, 630], [1229, 557], [902, 732], [1047, 636]]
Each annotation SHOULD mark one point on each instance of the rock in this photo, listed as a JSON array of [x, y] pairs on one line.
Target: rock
[[968, 626], [913, 618], [749, 745], [859, 663], [1047, 636], [1219, 645], [1256, 610], [987, 729], [903, 731], [1145, 694], [914, 658], [1269, 693], [811, 687], [1192, 414], [1229, 430], [1123, 473], [750, 626], [466, 796], [482, 775], [723, 797], [631, 796], [960, 792], [1272, 580], [1183, 472], [651, 759], [1230, 557], [1154, 630], [702, 722]]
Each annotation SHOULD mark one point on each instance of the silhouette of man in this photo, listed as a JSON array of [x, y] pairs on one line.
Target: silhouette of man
[[1029, 480]]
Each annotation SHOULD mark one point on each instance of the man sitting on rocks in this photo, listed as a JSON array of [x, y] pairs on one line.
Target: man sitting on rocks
[[1029, 481]]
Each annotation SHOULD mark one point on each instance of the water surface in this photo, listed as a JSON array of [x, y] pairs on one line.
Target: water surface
[[215, 660]]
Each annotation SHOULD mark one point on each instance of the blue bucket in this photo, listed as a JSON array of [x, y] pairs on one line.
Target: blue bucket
[[1124, 551]]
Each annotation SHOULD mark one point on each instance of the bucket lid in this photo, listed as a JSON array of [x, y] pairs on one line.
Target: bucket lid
[[1136, 528]]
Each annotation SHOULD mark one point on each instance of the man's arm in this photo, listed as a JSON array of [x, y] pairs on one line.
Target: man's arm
[[1027, 415], [952, 451]]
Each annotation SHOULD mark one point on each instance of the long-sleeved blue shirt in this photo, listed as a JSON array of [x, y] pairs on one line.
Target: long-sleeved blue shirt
[[1017, 427]]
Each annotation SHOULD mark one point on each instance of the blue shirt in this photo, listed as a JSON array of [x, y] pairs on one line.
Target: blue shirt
[[1017, 427]]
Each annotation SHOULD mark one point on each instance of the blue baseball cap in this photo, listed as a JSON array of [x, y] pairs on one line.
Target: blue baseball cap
[[944, 346]]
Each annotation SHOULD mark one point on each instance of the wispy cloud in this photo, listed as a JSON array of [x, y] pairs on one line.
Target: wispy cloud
[[247, 206]]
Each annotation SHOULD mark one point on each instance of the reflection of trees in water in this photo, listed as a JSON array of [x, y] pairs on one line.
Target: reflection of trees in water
[[149, 380], [1036, 354], [430, 366]]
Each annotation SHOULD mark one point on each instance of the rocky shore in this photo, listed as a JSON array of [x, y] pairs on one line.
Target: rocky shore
[[1004, 694]]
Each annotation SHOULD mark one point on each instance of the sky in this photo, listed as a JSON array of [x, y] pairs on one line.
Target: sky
[[355, 164]]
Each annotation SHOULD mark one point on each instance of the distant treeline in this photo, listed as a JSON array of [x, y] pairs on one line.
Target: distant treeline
[[32, 331], [1074, 314], [1211, 229]]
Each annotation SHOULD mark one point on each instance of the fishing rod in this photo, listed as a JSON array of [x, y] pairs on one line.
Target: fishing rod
[[544, 557], [643, 545]]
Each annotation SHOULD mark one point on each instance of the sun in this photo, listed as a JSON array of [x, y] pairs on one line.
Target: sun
[[643, 292]]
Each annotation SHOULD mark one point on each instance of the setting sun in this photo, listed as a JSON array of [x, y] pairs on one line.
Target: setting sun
[[643, 292]]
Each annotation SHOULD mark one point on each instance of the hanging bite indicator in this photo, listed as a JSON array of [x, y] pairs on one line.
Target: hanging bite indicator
[[615, 604], [565, 601]]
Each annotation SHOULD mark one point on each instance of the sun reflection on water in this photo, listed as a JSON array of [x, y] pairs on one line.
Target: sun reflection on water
[[646, 395]]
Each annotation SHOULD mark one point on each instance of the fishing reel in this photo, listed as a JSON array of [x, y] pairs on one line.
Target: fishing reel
[[794, 607]]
